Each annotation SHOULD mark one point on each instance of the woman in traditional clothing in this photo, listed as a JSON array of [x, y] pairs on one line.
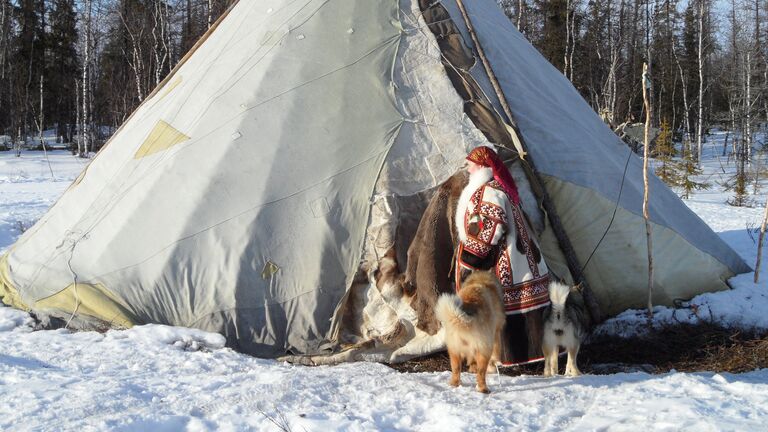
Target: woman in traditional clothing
[[495, 235]]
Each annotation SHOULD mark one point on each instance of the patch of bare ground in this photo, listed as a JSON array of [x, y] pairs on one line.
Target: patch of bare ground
[[685, 348], [440, 362]]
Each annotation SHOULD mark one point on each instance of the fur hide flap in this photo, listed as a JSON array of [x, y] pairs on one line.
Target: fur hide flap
[[430, 255]]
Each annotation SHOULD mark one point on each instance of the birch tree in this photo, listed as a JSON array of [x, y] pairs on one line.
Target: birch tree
[[85, 85], [702, 10]]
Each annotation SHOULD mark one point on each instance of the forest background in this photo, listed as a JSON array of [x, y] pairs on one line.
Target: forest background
[[77, 69]]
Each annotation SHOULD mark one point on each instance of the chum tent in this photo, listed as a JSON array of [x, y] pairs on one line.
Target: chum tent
[[243, 195]]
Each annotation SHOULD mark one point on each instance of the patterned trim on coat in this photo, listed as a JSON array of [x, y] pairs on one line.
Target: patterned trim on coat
[[527, 296], [493, 211], [504, 269], [487, 230], [517, 215], [477, 247]]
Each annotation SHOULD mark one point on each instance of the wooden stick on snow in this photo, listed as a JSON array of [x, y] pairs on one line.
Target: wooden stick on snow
[[646, 85], [760, 243]]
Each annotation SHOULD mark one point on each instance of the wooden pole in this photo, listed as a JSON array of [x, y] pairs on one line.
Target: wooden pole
[[557, 227], [760, 243], [646, 86]]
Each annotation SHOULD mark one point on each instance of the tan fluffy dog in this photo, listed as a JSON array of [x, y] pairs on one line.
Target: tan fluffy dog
[[473, 323]]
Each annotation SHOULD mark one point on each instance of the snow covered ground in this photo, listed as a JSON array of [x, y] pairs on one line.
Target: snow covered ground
[[157, 378], [28, 189]]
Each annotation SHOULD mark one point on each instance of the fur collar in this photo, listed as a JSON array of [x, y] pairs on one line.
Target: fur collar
[[476, 180]]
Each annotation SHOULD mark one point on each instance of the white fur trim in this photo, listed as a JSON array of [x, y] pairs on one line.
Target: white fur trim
[[476, 179]]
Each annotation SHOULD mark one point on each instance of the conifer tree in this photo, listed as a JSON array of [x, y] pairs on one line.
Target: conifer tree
[[63, 67], [678, 173], [739, 181], [27, 58], [690, 169], [553, 39], [664, 152]]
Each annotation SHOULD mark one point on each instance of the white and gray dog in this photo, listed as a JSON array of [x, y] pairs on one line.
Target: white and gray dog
[[566, 324]]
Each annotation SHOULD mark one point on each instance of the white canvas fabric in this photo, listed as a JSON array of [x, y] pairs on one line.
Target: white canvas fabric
[[244, 194]]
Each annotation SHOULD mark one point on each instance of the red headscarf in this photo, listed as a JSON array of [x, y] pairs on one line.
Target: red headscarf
[[486, 157]]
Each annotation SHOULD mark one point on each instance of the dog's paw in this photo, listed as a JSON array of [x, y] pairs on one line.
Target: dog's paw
[[483, 390], [573, 372], [454, 383], [400, 356]]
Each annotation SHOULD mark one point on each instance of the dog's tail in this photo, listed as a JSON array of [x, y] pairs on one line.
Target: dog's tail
[[449, 312], [558, 294]]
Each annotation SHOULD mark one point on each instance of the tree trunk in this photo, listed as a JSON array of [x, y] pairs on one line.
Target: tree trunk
[[77, 116], [648, 66], [86, 84], [210, 13], [3, 37], [699, 125], [748, 109]]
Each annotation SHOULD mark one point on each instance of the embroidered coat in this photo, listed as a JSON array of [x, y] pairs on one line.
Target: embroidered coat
[[494, 234]]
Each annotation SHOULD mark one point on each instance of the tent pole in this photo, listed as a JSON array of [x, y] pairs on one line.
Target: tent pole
[[557, 227]]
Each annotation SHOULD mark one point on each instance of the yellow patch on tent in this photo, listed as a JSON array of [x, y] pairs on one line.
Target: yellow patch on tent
[[162, 137], [171, 86], [91, 300], [269, 270], [8, 293]]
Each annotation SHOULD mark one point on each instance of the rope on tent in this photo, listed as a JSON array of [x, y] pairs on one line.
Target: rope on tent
[[618, 200], [74, 284]]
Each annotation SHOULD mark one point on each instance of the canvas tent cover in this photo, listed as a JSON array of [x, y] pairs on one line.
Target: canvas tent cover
[[242, 196]]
